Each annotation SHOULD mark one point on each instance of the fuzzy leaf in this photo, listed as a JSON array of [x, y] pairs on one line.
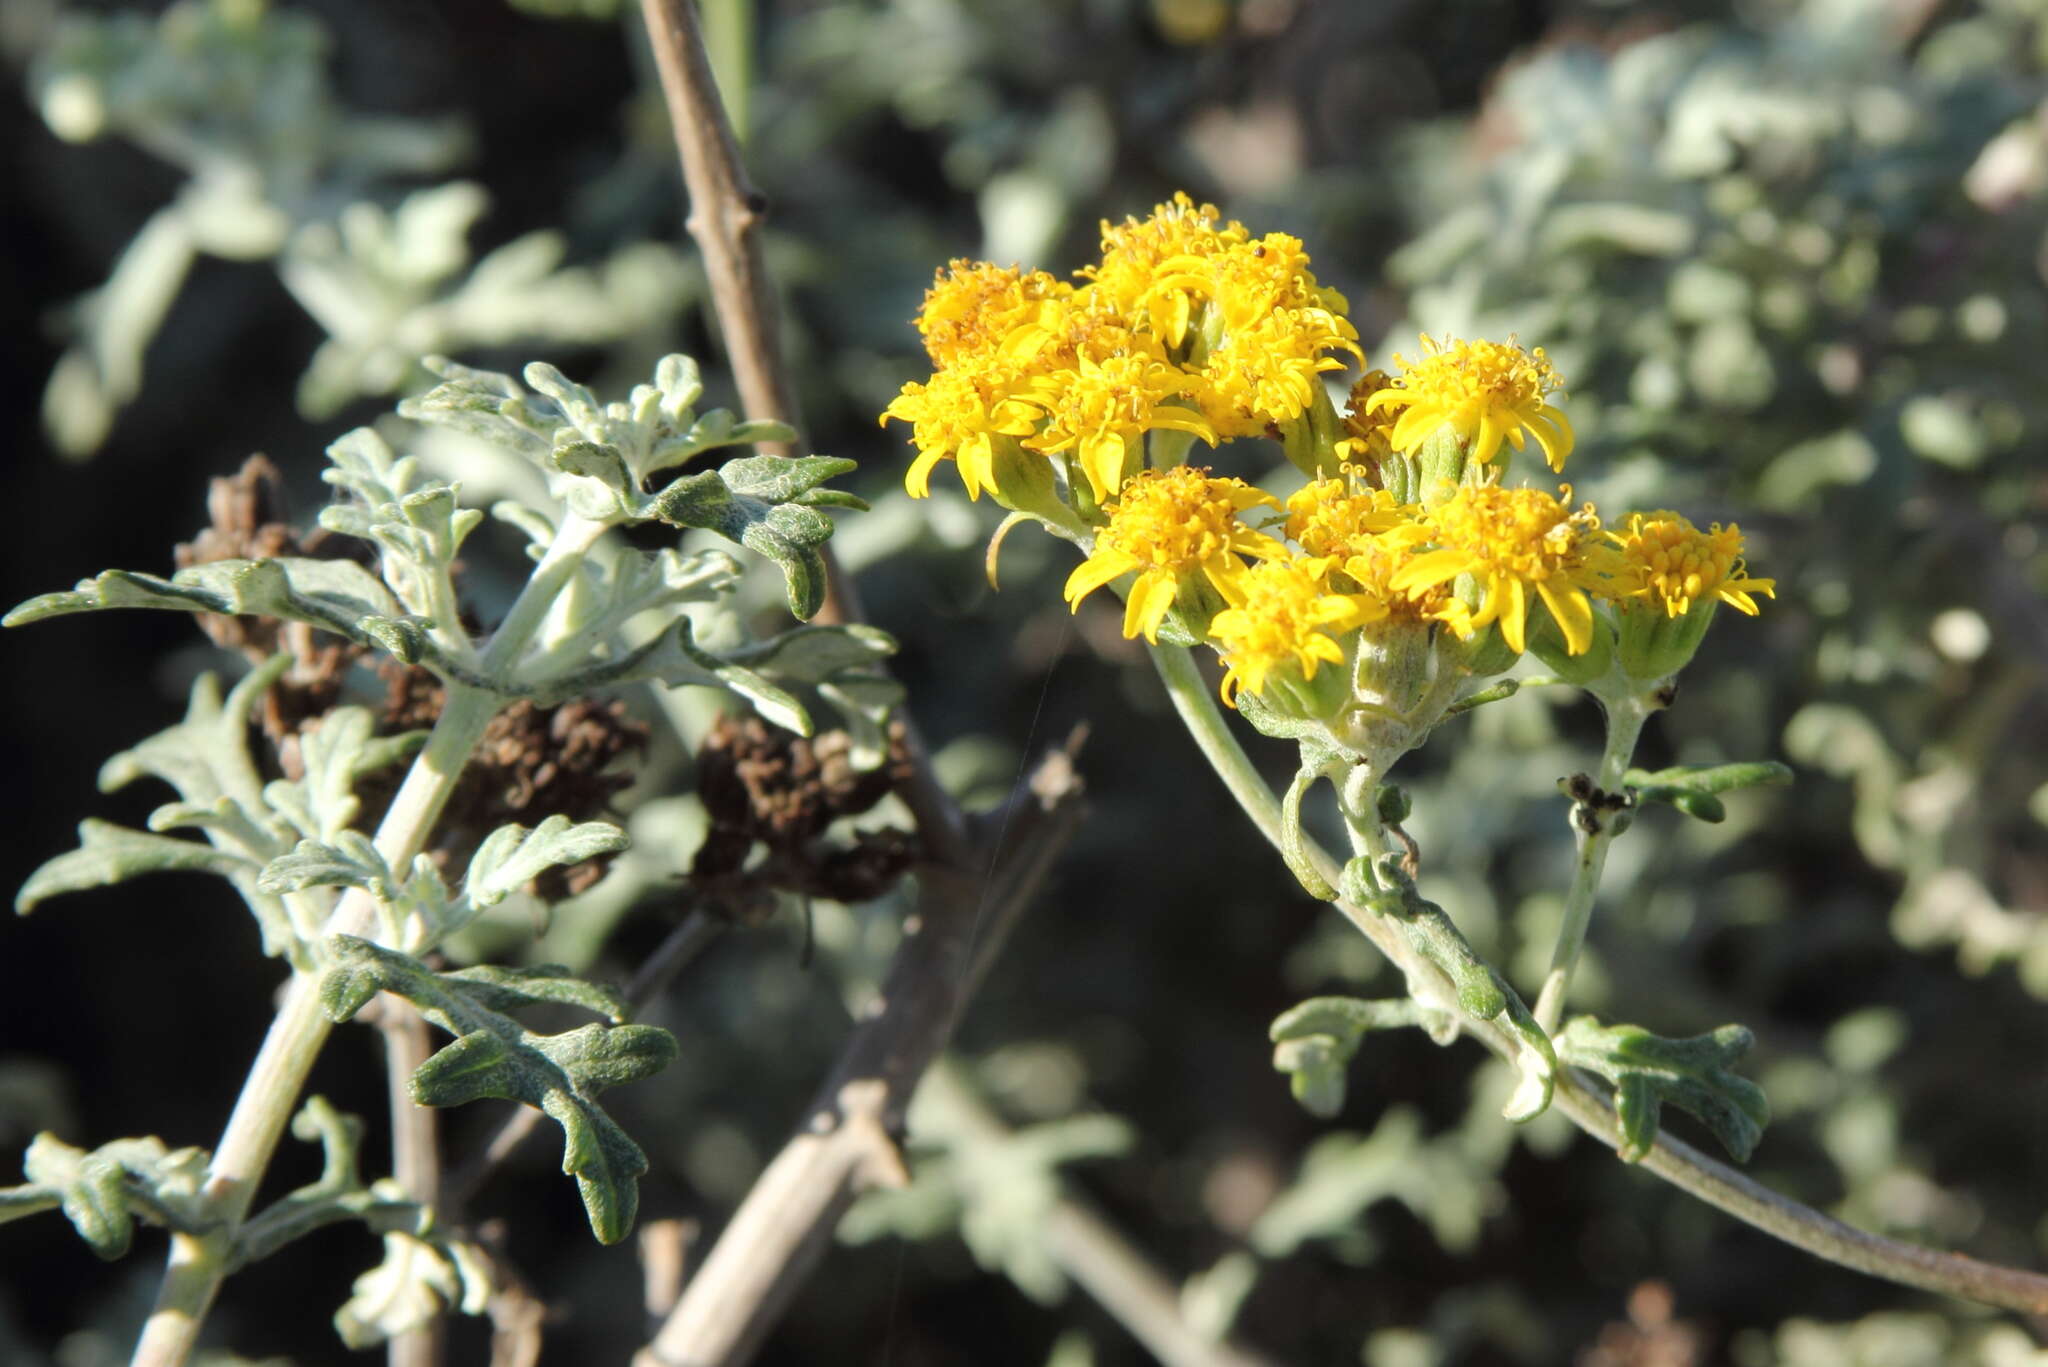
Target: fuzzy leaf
[[91, 1188], [417, 1281], [508, 989], [512, 856], [1648, 1071], [109, 854], [1316, 1039], [812, 655], [494, 1056], [783, 532], [102, 1191], [779, 479], [349, 863]]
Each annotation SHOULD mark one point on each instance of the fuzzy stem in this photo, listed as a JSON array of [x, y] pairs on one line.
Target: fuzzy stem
[[1673, 1160], [269, 1094], [1625, 717]]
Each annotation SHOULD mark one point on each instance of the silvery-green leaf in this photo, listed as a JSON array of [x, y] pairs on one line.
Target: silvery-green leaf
[[493, 1055], [91, 1188], [1648, 1072], [778, 479], [1314, 1041], [102, 1191], [109, 854], [351, 861], [512, 856], [486, 405], [812, 654], [412, 1286], [783, 532]]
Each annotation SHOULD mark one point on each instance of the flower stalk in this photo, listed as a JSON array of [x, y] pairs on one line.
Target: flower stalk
[[1593, 830]]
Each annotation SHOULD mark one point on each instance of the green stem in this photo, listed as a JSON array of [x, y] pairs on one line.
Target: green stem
[[1626, 714], [1673, 1160], [269, 1094], [1197, 707]]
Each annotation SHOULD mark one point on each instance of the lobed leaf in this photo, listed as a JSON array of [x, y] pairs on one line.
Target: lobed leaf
[[494, 1056], [1648, 1072]]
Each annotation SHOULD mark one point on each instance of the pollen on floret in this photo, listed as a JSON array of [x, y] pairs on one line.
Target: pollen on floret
[[1665, 560], [1514, 542], [973, 306], [1489, 393], [1326, 517], [1285, 616], [1169, 525]]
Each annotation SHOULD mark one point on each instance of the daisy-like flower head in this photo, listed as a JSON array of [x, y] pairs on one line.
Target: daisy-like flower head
[[1325, 518], [1488, 392], [1286, 616], [1663, 559], [1077, 326], [1102, 409], [958, 417], [1252, 278], [1266, 371], [972, 306], [1513, 542], [1168, 525], [1148, 266]]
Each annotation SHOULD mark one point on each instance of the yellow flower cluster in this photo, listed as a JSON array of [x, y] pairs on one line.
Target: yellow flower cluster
[[1189, 324], [1487, 392], [1186, 324], [1352, 556]]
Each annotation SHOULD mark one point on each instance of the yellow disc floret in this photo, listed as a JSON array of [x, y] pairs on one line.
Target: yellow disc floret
[[1169, 525], [1101, 410], [1266, 370], [1285, 616], [1147, 264], [1488, 392], [1665, 560], [1512, 542], [972, 307], [1325, 518]]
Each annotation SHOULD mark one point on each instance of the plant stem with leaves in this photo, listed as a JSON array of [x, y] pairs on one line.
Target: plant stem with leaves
[[1675, 1161], [199, 1262]]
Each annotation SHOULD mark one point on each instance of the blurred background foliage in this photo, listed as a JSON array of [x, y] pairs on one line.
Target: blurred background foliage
[[1790, 256]]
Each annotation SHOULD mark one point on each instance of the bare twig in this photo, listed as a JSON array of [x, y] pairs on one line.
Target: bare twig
[[784, 1225], [1085, 1245], [415, 1149], [664, 1257], [726, 213]]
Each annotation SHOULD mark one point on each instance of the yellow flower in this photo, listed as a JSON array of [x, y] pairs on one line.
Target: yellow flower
[[972, 306], [1169, 525], [1285, 617], [1142, 261], [958, 417], [1670, 562], [1512, 541], [1264, 372], [1248, 280], [1325, 518], [1102, 410], [1488, 392], [1369, 432]]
